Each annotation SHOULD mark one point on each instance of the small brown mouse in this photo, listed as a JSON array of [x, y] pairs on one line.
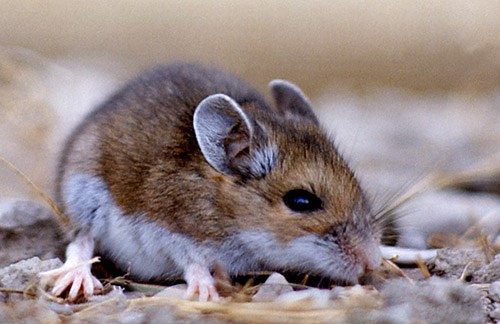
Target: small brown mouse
[[187, 167]]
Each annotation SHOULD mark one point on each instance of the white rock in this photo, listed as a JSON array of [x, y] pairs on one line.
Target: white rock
[[274, 286], [494, 291], [314, 296]]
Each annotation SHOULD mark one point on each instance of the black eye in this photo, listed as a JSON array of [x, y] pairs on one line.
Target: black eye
[[302, 201]]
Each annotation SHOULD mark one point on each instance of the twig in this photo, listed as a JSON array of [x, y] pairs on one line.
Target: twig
[[37, 189], [423, 268], [17, 291], [394, 268], [464, 273]]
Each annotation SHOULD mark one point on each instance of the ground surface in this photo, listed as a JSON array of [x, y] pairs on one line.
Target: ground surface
[[464, 286]]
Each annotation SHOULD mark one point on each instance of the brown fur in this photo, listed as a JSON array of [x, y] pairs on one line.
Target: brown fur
[[142, 144]]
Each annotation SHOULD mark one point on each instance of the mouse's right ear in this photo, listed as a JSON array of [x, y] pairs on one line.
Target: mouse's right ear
[[291, 102], [229, 139]]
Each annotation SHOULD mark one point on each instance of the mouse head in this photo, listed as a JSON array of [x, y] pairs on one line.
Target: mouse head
[[293, 201]]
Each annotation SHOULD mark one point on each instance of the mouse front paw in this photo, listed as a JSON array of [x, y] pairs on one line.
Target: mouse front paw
[[199, 280], [75, 277]]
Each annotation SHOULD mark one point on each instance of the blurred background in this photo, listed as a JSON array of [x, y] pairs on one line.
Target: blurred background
[[406, 87], [422, 45]]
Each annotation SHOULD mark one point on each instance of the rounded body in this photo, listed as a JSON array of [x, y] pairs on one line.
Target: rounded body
[[187, 165]]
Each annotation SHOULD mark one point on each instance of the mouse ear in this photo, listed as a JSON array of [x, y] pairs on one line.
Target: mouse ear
[[229, 139], [291, 102]]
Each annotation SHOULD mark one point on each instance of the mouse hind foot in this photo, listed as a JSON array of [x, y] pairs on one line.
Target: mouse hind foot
[[199, 280]]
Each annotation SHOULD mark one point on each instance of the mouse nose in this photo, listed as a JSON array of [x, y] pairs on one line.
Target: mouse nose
[[370, 256], [370, 264]]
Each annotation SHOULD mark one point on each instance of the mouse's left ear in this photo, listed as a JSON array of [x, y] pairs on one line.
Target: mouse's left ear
[[230, 140], [291, 102]]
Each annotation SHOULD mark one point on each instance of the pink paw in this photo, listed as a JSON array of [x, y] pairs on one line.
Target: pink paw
[[77, 277], [199, 280]]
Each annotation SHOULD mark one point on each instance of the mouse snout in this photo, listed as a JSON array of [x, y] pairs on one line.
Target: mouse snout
[[369, 256]]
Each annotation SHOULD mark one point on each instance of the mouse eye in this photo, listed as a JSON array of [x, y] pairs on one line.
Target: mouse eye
[[302, 201]]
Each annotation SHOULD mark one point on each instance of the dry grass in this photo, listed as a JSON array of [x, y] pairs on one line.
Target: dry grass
[[51, 203]]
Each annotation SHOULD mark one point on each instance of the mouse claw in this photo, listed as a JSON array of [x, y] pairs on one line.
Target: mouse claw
[[75, 273], [205, 291], [199, 280], [76, 278]]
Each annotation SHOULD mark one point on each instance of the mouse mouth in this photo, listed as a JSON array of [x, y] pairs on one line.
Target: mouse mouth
[[324, 278], [348, 278], [336, 281]]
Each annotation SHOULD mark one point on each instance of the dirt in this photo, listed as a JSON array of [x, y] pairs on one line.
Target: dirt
[[441, 298]]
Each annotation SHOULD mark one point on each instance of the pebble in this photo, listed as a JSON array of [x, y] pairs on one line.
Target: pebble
[[275, 286]]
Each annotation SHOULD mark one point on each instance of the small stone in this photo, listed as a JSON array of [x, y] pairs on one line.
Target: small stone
[[316, 298], [339, 292], [116, 292], [104, 309], [357, 290], [495, 313], [19, 275], [489, 272], [451, 263], [27, 311], [436, 300], [275, 286], [494, 291]]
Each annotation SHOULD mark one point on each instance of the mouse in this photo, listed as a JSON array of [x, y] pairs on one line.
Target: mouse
[[188, 167]]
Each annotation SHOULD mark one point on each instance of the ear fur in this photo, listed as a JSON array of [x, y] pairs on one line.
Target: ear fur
[[291, 102], [230, 140]]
